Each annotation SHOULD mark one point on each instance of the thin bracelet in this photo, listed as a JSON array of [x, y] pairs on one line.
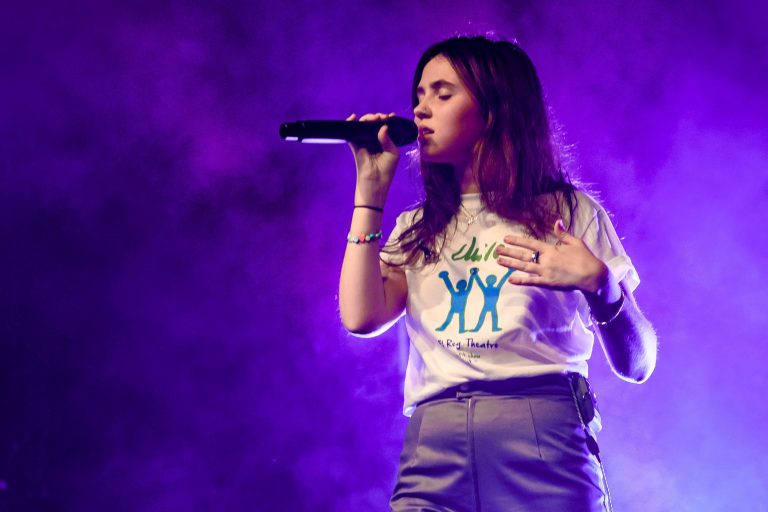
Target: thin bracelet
[[615, 315], [369, 207]]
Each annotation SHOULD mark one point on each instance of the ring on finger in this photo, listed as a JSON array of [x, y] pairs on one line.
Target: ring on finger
[[535, 257]]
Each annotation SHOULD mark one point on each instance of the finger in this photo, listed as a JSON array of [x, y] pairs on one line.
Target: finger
[[563, 236], [385, 141], [528, 243], [352, 146], [525, 280], [559, 228], [514, 252], [525, 266], [373, 117]]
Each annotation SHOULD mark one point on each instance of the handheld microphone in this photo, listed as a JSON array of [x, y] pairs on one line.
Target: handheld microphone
[[402, 131]]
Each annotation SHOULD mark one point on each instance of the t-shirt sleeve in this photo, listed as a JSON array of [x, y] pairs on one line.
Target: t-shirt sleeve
[[390, 252], [601, 238]]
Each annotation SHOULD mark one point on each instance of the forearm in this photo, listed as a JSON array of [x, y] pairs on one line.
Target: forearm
[[628, 338], [362, 299]]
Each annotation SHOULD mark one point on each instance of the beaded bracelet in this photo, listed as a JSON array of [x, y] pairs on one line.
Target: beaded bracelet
[[615, 315], [364, 238]]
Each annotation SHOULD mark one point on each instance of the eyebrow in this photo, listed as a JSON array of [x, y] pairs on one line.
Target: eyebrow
[[437, 84]]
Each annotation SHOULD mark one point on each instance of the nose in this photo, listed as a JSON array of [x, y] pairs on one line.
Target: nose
[[420, 111]]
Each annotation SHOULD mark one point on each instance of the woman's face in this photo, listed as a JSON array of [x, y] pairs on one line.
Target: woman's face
[[447, 116]]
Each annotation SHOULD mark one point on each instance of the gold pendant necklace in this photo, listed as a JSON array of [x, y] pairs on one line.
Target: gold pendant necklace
[[469, 216]]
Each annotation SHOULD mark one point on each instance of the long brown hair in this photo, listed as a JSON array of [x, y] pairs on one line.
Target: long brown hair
[[517, 162]]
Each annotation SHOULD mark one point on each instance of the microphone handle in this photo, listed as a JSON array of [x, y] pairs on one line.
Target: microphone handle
[[402, 132], [342, 131]]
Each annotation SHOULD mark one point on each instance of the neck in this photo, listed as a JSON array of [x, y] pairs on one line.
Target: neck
[[468, 183]]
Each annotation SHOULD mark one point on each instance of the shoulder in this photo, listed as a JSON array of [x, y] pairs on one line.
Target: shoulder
[[409, 217], [587, 201], [580, 200], [588, 212], [391, 252]]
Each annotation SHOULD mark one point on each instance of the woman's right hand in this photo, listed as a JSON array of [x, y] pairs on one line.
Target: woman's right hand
[[375, 171]]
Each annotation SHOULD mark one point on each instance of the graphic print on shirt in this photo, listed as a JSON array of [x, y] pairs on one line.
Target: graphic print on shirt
[[458, 298], [460, 294], [472, 253], [490, 298], [470, 348]]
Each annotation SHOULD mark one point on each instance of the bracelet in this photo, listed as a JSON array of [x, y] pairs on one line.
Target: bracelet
[[364, 238], [615, 315], [369, 207]]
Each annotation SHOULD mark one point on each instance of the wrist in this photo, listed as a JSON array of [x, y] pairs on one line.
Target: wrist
[[609, 314], [371, 196], [602, 289]]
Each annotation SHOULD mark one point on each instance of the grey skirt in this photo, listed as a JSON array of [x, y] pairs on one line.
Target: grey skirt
[[475, 449]]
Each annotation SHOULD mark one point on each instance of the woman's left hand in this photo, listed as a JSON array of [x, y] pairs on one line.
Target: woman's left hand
[[566, 265]]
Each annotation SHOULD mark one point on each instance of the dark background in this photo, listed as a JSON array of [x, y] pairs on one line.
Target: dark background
[[168, 330]]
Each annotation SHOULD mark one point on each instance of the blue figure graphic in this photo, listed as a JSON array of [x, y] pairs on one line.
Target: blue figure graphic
[[490, 298], [458, 298]]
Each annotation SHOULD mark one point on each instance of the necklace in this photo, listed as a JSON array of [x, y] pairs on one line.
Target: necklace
[[470, 217]]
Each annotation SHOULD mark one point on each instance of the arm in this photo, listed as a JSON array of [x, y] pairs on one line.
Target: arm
[[444, 276], [372, 294], [506, 276], [628, 339]]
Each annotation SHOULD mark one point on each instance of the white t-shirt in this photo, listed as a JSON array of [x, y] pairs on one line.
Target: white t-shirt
[[466, 322]]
